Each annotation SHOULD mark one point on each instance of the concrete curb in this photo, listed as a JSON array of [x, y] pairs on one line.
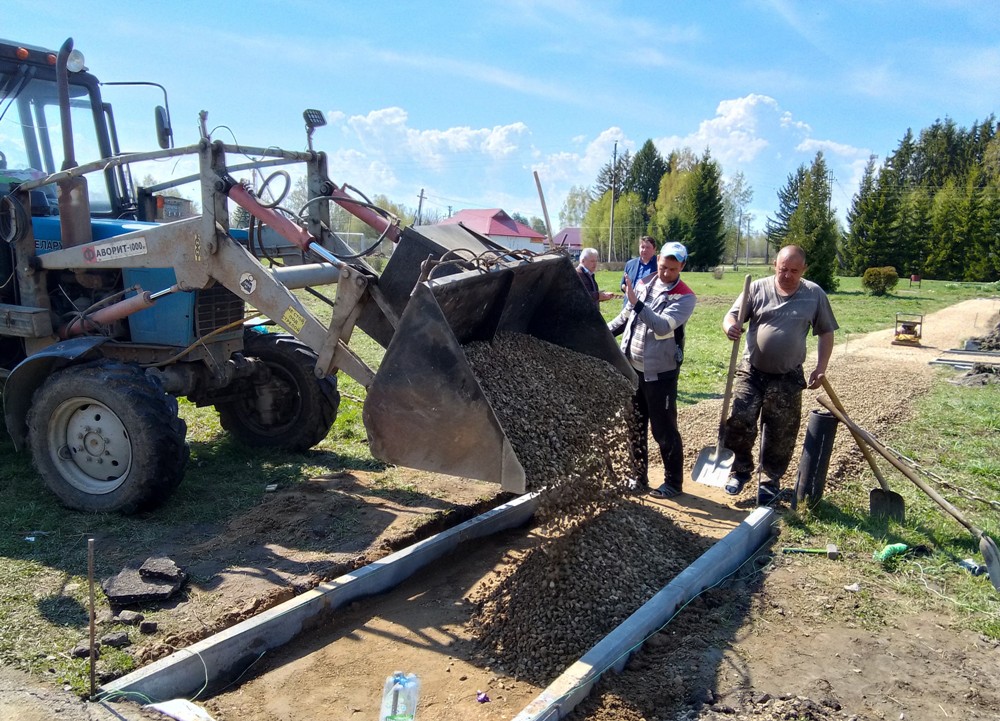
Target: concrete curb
[[614, 650], [221, 658]]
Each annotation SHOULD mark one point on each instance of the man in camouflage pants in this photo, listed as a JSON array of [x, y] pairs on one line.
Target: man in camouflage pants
[[769, 382]]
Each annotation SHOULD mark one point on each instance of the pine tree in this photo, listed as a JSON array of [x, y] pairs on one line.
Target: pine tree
[[613, 174], [240, 218], [707, 236], [987, 249], [904, 158], [673, 210], [813, 225], [788, 200], [858, 243], [913, 228], [929, 209], [643, 178], [944, 256], [937, 155]]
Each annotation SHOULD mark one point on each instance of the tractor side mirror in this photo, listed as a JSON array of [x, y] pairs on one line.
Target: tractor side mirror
[[164, 133]]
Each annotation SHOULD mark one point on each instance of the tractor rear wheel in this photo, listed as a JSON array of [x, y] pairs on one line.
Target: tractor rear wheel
[[105, 437], [294, 410]]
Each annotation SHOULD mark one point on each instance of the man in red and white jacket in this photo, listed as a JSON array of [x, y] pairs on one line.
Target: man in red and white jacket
[[652, 326]]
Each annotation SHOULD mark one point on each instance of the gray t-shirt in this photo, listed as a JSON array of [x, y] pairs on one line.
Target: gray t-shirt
[[778, 325]]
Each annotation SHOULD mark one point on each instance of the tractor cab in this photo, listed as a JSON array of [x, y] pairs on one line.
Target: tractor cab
[[32, 124]]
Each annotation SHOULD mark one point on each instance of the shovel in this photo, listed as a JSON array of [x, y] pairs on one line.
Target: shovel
[[714, 463], [882, 502], [987, 546]]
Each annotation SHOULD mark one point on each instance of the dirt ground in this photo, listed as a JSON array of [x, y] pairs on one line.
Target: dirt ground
[[777, 643]]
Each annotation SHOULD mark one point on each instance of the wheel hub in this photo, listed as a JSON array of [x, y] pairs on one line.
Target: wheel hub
[[96, 445]]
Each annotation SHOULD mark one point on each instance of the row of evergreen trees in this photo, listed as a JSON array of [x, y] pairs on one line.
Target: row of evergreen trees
[[932, 209], [683, 198], [680, 198]]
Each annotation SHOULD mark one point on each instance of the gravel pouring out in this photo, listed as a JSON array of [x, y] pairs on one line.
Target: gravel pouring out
[[569, 418]]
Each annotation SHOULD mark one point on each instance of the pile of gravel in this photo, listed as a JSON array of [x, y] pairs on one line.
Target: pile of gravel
[[569, 419], [990, 341], [546, 609]]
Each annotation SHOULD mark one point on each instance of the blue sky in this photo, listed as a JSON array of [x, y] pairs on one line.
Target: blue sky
[[465, 100]]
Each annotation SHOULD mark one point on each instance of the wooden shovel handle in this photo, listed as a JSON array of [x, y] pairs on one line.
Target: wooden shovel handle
[[902, 467], [857, 439], [740, 319]]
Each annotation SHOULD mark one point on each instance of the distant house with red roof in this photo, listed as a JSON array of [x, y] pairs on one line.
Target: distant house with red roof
[[570, 239], [499, 227]]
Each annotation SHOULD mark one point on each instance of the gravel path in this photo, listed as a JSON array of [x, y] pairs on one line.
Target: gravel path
[[796, 651]]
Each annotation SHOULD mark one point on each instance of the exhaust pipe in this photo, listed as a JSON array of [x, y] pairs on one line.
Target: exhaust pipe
[[74, 198]]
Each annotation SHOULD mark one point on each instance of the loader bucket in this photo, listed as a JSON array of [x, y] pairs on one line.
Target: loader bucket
[[426, 410]]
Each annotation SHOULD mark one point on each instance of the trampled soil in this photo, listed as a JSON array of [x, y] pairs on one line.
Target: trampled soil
[[780, 642]]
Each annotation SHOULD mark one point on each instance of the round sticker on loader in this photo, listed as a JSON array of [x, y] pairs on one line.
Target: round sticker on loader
[[248, 283]]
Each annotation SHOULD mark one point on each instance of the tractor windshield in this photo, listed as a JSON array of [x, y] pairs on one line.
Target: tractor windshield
[[31, 141]]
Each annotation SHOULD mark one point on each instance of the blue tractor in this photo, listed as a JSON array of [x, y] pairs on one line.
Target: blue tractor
[[109, 313]]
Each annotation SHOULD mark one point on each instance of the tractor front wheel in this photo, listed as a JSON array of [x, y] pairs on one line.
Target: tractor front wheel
[[294, 410], [105, 437]]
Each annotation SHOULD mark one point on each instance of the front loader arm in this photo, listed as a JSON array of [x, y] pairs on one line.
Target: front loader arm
[[199, 264]]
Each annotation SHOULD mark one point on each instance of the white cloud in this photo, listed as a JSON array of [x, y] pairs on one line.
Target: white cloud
[[581, 168], [491, 166], [830, 147], [502, 140], [485, 74], [742, 129], [361, 171], [386, 134]]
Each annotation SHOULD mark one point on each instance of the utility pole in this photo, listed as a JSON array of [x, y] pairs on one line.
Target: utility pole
[[736, 255], [614, 182], [829, 192], [545, 210], [420, 206], [748, 242]]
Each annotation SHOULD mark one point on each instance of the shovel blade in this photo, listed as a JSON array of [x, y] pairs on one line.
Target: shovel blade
[[991, 554], [712, 466], [886, 504]]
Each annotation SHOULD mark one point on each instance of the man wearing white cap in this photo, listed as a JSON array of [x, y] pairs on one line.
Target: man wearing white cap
[[652, 325]]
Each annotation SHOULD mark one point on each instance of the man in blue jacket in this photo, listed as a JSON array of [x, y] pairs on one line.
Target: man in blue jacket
[[645, 265], [651, 325]]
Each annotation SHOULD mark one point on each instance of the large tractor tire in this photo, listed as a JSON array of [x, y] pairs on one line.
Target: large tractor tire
[[294, 410], [105, 437]]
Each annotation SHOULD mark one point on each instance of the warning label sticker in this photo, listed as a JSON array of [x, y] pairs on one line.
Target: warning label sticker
[[293, 320], [248, 283], [115, 249]]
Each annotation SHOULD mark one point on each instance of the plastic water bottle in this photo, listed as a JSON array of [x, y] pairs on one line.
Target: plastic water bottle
[[399, 697], [972, 567]]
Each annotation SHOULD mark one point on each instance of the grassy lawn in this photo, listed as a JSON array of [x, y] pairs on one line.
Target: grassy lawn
[[43, 547]]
